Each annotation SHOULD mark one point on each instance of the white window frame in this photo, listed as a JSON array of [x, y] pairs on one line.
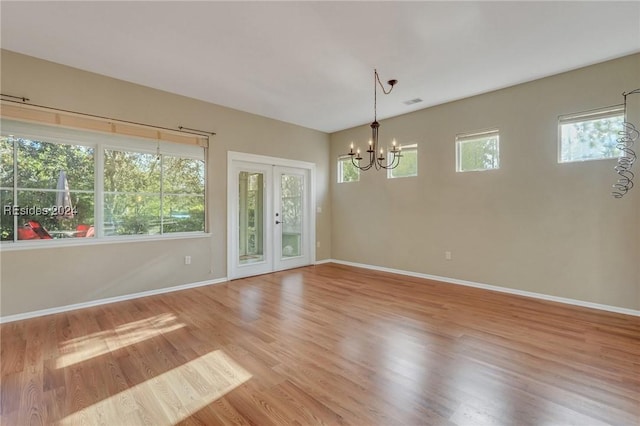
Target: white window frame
[[99, 142], [464, 138], [585, 116], [340, 169], [404, 148]]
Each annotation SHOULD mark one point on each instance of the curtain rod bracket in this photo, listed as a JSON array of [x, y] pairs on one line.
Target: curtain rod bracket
[[22, 98]]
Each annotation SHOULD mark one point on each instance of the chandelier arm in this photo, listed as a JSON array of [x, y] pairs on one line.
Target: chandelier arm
[[363, 168], [372, 157], [390, 165]]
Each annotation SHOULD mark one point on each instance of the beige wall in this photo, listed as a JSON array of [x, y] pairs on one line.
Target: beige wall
[[38, 279], [532, 225]]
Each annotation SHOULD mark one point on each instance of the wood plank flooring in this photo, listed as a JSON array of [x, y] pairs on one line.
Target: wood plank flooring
[[327, 344]]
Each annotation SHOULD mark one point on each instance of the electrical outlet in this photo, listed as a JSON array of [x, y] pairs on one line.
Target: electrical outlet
[[187, 260], [447, 255]]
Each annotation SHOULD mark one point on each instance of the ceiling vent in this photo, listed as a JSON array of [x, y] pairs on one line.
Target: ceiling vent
[[412, 101]]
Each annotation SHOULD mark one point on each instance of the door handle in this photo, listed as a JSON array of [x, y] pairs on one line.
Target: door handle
[[278, 222]]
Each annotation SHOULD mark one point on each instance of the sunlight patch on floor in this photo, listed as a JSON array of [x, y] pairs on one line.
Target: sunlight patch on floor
[[169, 397], [86, 347]]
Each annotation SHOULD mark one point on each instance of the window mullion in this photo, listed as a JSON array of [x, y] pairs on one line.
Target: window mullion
[[98, 213], [15, 187], [161, 194]]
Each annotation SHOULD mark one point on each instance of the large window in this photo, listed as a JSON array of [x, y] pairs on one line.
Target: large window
[[590, 135], [57, 183], [408, 165], [478, 151], [347, 172]]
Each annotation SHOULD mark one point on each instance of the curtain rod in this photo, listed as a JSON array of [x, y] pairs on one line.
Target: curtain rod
[[187, 130], [16, 97], [25, 101]]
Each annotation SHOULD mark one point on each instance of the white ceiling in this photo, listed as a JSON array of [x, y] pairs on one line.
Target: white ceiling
[[311, 63]]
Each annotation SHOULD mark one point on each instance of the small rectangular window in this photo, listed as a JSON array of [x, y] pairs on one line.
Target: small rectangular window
[[408, 165], [589, 135], [478, 151], [347, 172]]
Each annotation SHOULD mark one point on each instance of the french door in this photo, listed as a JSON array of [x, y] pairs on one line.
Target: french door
[[270, 221]]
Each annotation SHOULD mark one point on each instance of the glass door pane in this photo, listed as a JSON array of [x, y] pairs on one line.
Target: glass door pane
[[269, 217], [291, 208], [250, 217]]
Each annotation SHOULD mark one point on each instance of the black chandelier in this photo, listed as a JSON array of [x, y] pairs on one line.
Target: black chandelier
[[379, 161]]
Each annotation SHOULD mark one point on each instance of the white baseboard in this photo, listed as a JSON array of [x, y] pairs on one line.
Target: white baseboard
[[609, 308], [542, 296], [57, 310]]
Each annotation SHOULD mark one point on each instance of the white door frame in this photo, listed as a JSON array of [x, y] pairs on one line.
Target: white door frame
[[232, 157]]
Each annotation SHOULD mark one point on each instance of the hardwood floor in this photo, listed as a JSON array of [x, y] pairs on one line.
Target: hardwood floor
[[328, 344]]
